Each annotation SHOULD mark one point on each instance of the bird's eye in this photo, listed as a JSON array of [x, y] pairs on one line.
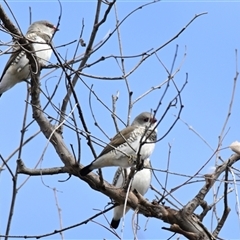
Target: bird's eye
[[49, 25], [146, 119]]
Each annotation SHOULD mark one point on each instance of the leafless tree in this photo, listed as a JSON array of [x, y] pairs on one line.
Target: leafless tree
[[71, 118]]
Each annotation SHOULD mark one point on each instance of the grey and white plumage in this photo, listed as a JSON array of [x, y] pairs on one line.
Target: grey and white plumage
[[141, 182], [123, 149], [17, 68]]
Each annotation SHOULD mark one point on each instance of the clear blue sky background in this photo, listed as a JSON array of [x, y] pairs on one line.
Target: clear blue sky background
[[210, 43]]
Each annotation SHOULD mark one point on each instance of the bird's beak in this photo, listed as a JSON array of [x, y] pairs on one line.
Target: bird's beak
[[56, 29], [153, 120]]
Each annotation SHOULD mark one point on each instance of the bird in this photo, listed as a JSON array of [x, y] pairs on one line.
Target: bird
[[141, 182], [123, 149], [17, 69]]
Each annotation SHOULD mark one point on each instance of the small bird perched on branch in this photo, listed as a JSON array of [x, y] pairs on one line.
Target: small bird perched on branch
[[123, 150], [17, 69], [141, 182]]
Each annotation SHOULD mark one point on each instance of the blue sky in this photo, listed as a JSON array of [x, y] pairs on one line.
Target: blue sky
[[209, 42]]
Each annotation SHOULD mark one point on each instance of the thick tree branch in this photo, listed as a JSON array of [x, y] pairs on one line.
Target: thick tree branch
[[38, 172]]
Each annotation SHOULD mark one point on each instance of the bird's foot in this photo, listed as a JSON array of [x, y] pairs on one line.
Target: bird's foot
[[140, 165], [132, 160]]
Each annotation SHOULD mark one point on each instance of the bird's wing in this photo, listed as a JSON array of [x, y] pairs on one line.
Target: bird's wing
[[119, 176], [16, 52], [44, 36], [118, 139], [119, 173]]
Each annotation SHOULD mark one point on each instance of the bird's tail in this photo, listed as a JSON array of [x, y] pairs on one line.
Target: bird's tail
[[86, 170], [115, 223]]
